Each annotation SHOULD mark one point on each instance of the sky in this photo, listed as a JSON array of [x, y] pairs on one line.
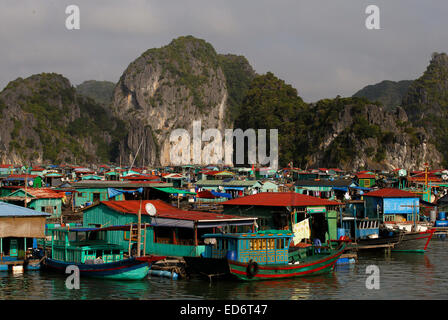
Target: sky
[[320, 47]]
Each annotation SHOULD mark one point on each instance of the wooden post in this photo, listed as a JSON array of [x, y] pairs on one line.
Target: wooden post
[[195, 235], [26, 183], [130, 237], [139, 229], [144, 242]]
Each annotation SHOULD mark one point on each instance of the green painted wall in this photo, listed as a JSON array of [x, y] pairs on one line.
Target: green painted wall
[[105, 216], [85, 195]]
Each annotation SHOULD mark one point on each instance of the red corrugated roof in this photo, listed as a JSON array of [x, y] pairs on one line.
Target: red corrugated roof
[[6, 166], [44, 193], [280, 199], [165, 210], [365, 176], [140, 177], [31, 176], [390, 193]]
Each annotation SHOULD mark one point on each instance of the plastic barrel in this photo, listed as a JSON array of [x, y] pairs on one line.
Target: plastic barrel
[[231, 255], [163, 273], [442, 215], [433, 215], [441, 223]]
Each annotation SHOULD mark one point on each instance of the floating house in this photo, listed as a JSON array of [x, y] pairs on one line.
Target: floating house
[[236, 188], [19, 227], [366, 180], [391, 205], [282, 210], [173, 232], [6, 170], [42, 200], [325, 189], [17, 181], [89, 192]]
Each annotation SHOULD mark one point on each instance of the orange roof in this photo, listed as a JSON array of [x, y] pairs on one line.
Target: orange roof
[[280, 199], [44, 193], [164, 210], [391, 193], [365, 176]]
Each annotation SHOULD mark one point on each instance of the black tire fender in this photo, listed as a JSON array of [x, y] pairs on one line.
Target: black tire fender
[[252, 269]]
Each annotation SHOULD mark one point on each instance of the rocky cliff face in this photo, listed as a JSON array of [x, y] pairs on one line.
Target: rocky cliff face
[[364, 135], [43, 120], [166, 89]]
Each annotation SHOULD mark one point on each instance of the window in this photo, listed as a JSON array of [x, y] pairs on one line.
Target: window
[[271, 244], [280, 244], [367, 183], [48, 209]]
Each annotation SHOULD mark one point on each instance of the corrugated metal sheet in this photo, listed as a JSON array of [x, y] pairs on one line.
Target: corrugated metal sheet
[[280, 199], [11, 210]]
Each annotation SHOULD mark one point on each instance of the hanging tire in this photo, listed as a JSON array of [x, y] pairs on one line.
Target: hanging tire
[[252, 269]]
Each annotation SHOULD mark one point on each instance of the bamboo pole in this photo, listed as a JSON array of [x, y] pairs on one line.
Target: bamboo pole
[[139, 229], [130, 236], [144, 242]]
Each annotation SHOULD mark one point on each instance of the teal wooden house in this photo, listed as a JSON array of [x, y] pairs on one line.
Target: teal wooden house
[[173, 232], [89, 192], [19, 227], [17, 181], [42, 200]]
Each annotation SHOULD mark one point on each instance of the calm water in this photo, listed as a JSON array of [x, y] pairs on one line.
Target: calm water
[[402, 276]]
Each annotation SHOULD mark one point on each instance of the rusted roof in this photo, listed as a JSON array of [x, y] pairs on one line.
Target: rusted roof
[[391, 193], [165, 210], [280, 199]]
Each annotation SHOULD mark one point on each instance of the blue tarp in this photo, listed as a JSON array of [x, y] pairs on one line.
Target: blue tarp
[[340, 188], [234, 188], [112, 192], [221, 194], [360, 188]]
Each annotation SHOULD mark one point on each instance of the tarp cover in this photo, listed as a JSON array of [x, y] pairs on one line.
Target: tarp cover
[[29, 227], [112, 192]]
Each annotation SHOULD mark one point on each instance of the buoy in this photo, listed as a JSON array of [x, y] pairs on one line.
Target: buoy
[[164, 273]]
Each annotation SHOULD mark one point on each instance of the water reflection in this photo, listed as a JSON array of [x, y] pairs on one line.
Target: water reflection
[[402, 276]]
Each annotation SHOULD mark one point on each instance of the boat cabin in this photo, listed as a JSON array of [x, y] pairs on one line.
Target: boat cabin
[[83, 245], [266, 247]]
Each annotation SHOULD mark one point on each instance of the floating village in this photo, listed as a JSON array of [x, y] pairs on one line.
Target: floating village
[[220, 224]]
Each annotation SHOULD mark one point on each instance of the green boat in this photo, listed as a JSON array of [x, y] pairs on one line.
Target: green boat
[[262, 256]]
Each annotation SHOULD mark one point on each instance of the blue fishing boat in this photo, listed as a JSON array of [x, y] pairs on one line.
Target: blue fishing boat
[[87, 249]]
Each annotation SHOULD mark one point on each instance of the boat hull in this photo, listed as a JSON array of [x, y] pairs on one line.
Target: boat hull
[[128, 269], [207, 266], [414, 242], [321, 264]]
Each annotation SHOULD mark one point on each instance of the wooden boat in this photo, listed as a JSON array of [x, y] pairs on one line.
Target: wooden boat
[[261, 256], [94, 256]]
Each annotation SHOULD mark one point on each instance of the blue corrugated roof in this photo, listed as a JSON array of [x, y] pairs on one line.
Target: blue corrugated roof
[[11, 210]]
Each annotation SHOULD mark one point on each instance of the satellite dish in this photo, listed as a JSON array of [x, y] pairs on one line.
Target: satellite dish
[[150, 209], [30, 183], [445, 177]]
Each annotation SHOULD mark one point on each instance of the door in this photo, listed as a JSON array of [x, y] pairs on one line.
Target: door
[[13, 248]]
